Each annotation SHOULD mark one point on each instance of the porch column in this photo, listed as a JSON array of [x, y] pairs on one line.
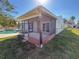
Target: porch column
[[38, 26], [28, 29], [40, 32]]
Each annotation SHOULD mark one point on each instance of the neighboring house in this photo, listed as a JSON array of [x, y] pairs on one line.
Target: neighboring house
[[70, 23], [77, 25], [39, 26]]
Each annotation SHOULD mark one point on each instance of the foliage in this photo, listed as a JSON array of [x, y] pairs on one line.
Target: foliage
[[5, 18], [5, 5], [65, 20], [7, 21], [11, 23], [72, 17]]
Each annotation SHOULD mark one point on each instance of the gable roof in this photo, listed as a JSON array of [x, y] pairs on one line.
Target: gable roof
[[36, 12]]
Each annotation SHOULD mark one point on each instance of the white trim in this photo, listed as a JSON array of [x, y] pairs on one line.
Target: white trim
[[50, 13], [29, 17]]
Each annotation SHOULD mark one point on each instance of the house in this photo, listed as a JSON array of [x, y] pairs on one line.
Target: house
[[38, 26], [59, 24], [77, 26], [70, 23]]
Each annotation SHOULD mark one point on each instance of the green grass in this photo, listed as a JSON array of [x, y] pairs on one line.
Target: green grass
[[6, 38], [63, 46], [6, 52]]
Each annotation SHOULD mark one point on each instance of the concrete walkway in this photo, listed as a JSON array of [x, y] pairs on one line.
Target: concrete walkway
[[8, 35]]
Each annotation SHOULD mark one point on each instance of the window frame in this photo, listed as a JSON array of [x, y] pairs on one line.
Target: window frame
[[46, 27], [30, 26]]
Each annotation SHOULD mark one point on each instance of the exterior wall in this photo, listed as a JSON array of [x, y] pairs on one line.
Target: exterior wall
[[35, 23], [38, 24], [35, 26], [23, 26], [34, 38], [51, 21], [59, 24], [53, 26]]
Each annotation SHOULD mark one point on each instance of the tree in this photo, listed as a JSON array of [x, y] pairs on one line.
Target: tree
[[65, 20], [72, 17], [5, 6], [5, 18], [11, 23]]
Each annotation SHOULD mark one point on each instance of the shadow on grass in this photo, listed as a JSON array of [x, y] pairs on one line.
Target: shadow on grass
[[14, 48], [6, 52], [65, 45]]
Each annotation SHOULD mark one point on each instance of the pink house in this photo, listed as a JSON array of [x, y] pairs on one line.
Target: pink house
[[38, 26]]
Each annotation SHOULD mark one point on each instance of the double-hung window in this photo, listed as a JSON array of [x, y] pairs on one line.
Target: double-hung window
[[23, 26], [46, 27], [31, 27]]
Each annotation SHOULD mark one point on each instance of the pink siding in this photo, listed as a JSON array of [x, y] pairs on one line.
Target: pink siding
[[37, 42], [48, 38]]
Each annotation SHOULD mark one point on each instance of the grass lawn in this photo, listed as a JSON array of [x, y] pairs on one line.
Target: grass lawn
[[2, 39], [75, 31], [63, 46], [5, 51]]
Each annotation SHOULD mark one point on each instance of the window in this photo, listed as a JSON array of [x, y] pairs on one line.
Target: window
[[43, 27], [31, 27], [46, 27], [22, 26]]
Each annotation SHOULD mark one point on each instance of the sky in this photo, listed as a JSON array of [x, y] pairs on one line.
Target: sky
[[65, 8]]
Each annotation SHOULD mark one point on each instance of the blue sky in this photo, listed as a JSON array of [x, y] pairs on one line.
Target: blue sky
[[66, 8]]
